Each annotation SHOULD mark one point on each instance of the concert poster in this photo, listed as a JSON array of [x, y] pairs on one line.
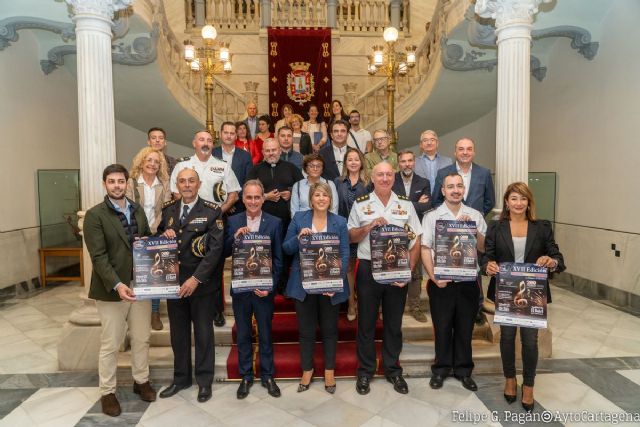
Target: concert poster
[[456, 256], [390, 254], [521, 295], [155, 268], [251, 263], [320, 263]]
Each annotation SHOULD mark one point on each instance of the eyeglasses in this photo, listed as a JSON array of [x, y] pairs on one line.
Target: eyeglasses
[[314, 166], [381, 139], [428, 140]]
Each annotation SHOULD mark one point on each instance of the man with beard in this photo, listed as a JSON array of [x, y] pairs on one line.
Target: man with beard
[[453, 304], [333, 154], [277, 177], [417, 190], [219, 185], [239, 160], [359, 138], [110, 228], [381, 207], [198, 227]]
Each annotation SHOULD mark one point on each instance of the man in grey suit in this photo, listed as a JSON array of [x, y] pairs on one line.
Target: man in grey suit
[[479, 191], [430, 161], [252, 120]]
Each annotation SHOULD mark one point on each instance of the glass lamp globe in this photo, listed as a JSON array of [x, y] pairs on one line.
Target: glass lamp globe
[[390, 34], [209, 32]]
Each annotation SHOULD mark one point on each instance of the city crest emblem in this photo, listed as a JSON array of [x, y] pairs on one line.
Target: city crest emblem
[[300, 83]]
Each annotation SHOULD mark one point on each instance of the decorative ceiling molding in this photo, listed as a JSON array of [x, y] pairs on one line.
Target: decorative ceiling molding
[[580, 38], [455, 58], [9, 28], [141, 51]]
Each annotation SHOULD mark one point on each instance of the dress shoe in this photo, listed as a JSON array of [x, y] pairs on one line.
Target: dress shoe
[[204, 393], [243, 388], [146, 392], [172, 389], [110, 405], [399, 384], [527, 406], [419, 315], [362, 385], [467, 382], [510, 398], [271, 386], [219, 320], [436, 381], [156, 323]]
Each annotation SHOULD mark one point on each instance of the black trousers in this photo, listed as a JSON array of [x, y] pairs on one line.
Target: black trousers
[[529, 340], [313, 311], [245, 307], [218, 294], [453, 310], [371, 295], [182, 313]]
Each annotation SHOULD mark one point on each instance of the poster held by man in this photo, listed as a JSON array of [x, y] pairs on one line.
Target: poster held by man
[[251, 263], [320, 263], [390, 254], [456, 250], [521, 295], [155, 268]]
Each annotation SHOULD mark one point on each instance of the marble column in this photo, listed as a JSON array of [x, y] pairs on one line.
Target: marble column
[[332, 9], [200, 13], [79, 344], [265, 11], [394, 7], [514, 19]]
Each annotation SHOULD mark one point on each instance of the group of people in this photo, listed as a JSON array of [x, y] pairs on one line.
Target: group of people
[[305, 178]]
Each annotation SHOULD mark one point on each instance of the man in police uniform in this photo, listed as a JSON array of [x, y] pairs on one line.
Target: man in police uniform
[[453, 304], [198, 227], [375, 209], [219, 185]]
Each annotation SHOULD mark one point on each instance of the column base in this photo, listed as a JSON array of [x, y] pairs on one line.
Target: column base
[[79, 343]]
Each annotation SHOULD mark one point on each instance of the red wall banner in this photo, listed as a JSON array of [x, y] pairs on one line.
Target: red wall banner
[[299, 70]]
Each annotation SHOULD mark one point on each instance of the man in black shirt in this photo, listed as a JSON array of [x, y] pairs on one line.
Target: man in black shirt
[[277, 176]]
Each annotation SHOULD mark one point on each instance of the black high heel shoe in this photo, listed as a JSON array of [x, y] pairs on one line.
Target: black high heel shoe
[[526, 406], [305, 387], [510, 398]]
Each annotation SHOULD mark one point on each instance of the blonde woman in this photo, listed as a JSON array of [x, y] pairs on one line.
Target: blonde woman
[[148, 186]]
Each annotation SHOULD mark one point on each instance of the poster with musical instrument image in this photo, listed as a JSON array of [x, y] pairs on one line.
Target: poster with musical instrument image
[[155, 268], [456, 257], [390, 254], [320, 263], [521, 295], [251, 263]]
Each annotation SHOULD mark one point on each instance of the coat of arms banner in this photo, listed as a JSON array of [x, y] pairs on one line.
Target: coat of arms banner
[[299, 70]]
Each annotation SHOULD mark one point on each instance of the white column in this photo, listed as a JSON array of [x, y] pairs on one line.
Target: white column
[[332, 20], [97, 145], [200, 13], [394, 6], [514, 20], [265, 10]]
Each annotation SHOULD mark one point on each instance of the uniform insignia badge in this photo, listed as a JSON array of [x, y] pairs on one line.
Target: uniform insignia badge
[[368, 210], [197, 246], [220, 224], [410, 234], [219, 195], [170, 222]]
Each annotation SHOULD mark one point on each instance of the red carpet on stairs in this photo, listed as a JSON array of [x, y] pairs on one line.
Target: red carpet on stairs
[[286, 349]]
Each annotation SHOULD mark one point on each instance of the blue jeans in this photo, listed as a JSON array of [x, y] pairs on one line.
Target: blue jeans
[[155, 305]]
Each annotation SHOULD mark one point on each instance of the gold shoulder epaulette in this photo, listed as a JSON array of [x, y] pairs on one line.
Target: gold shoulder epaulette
[[183, 159], [402, 197], [210, 204], [363, 198], [169, 203]]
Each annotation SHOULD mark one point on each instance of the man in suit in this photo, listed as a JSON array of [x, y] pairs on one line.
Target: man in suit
[[239, 160], [333, 154], [110, 228], [256, 303], [198, 226], [479, 192], [252, 120], [417, 190], [287, 153], [381, 152]]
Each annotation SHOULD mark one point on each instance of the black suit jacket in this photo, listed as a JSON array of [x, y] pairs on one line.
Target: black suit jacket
[[330, 171], [203, 222], [499, 248], [305, 144], [419, 186], [241, 164]]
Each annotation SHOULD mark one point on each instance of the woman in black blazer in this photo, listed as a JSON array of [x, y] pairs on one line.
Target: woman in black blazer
[[518, 237]]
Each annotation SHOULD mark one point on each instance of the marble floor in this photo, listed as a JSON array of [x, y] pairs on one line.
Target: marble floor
[[592, 379]]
